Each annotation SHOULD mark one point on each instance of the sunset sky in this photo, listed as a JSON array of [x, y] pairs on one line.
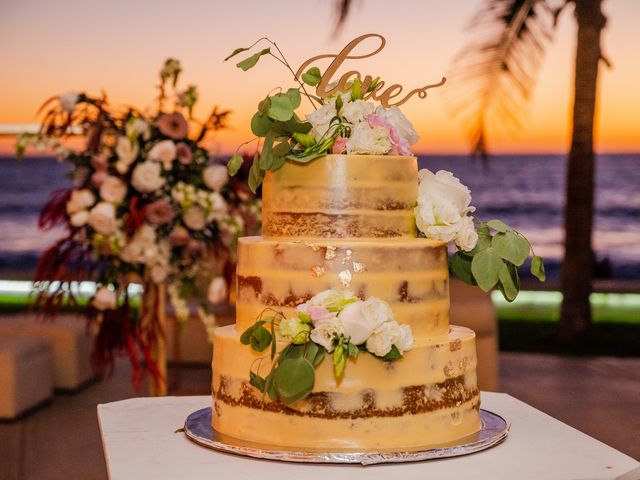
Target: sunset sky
[[118, 46]]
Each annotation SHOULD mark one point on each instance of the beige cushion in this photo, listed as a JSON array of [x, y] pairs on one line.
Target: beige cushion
[[26, 373], [473, 308], [69, 338]]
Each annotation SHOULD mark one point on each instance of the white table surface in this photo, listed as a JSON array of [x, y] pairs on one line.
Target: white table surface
[[139, 443]]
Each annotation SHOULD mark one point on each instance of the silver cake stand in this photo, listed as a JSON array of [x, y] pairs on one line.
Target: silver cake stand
[[198, 428]]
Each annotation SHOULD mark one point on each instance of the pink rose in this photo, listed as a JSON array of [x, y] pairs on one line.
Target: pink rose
[[400, 146], [100, 161], [98, 177], [340, 145], [173, 125], [183, 153], [160, 211], [179, 236]]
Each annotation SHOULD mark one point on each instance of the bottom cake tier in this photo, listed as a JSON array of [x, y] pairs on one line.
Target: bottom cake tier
[[428, 397]]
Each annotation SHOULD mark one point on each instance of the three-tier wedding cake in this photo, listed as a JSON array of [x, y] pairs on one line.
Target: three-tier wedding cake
[[346, 222]]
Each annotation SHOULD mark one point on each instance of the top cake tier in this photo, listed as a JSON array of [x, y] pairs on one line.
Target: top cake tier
[[341, 196]]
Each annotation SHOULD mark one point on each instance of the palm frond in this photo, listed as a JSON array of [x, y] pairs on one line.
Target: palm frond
[[493, 77]]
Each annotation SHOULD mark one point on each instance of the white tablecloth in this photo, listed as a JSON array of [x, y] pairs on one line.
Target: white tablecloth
[[140, 443]]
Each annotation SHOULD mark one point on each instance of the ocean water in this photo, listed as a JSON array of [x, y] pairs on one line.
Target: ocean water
[[525, 191]]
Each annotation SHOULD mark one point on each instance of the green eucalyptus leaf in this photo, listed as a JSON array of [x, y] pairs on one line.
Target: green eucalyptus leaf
[[319, 356], [394, 354], [294, 97], [460, 264], [257, 381], [260, 124], [485, 266], [280, 152], [484, 239], [234, 164], [310, 351], [499, 226], [281, 107], [263, 106], [261, 339], [250, 62], [537, 268], [312, 76], [508, 286], [256, 174], [296, 126], [294, 379], [511, 246], [266, 156], [270, 385], [236, 52], [245, 338]]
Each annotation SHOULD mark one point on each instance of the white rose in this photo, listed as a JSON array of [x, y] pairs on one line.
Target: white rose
[[215, 206], [113, 190], [105, 299], [294, 330], [80, 218], [146, 177], [132, 252], [217, 291], [324, 333], [402, 125], [145, 235], [320, 120], [80, 200], [443, 187], [194, 218], [215, 176], [403, 339], [466, 237], [127, 151], [68, 101], [163, 152], [102, 218], [368, 140], [357, 111], [356, 324], [381, 341], [442, 233], [377, 311]]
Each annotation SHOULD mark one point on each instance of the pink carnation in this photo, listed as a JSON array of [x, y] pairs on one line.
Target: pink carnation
[[160, 211], [340, 145], [173, 125], [183, 153]]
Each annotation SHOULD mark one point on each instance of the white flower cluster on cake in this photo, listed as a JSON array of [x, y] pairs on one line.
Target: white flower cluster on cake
[[359, 127], [332, 317]]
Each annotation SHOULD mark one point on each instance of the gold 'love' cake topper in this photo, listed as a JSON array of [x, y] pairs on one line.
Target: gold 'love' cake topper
[[326, 88], [344, 118]]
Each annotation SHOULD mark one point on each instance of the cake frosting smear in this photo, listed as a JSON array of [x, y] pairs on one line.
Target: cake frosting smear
[[342, 337]]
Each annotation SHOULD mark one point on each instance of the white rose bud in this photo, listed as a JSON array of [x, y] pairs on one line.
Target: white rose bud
[[105, 299], [113, 190], [68, 101], [215, 176], [294, 330], [194, 218], [147, 178], [102, 218], [217, 291], [80, 200], [324, 333], [163, 152], [80, 218]]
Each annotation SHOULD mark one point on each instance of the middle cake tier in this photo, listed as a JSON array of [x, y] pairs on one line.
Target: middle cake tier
[[410, 274]]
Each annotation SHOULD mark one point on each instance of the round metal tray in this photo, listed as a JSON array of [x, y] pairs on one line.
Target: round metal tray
[[198, 428]]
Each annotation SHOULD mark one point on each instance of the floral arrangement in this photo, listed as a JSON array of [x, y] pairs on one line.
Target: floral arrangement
[[345, 122], [330, 322], [148, 206], [487, 255]]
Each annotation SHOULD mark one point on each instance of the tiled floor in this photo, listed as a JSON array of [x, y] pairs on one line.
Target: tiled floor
[[600, 396]]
